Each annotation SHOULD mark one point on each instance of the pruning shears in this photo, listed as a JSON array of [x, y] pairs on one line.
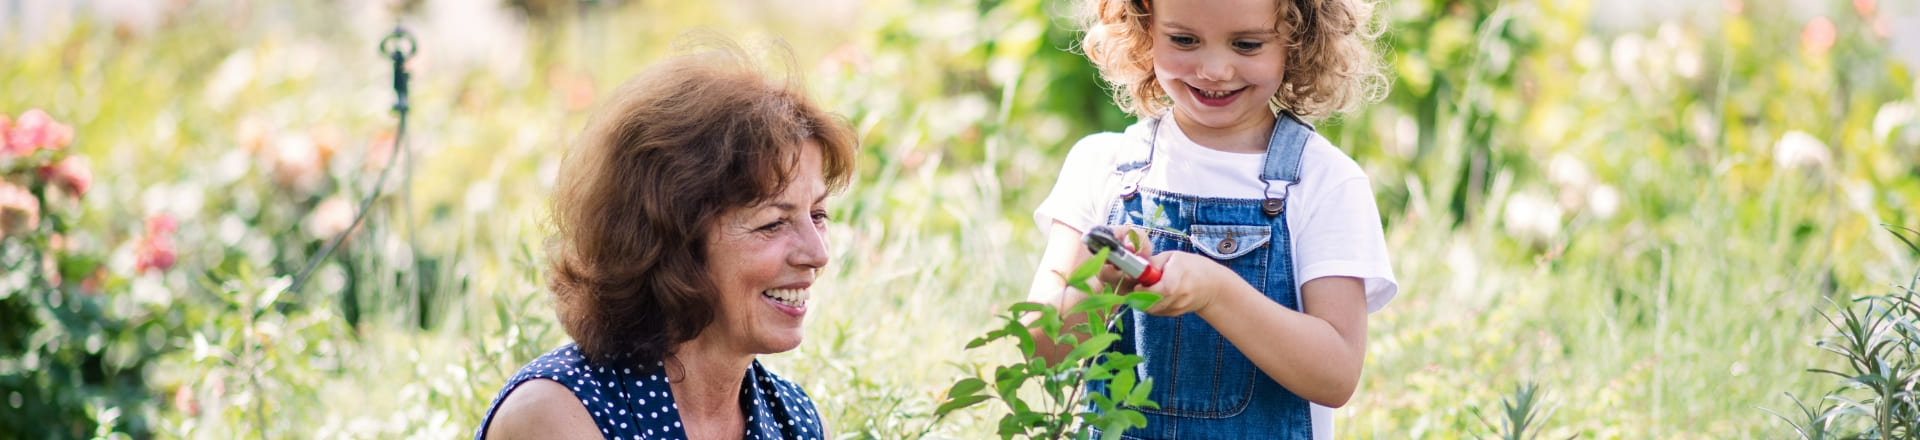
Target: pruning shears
[[1101, 237]]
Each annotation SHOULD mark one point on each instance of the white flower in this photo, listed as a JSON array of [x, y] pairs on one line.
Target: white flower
[[1798, 149], [1566, 171], [1603, 201], [1532, 218], [1891, 116]]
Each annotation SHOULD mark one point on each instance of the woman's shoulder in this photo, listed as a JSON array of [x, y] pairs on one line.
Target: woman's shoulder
[[538, 402], [540, 408]]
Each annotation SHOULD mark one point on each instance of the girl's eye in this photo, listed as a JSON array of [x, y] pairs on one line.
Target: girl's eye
[[1182, 40], [1247, 46]]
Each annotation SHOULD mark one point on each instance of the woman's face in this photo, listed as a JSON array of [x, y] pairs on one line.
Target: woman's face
[[1219, 60], [763, 260]]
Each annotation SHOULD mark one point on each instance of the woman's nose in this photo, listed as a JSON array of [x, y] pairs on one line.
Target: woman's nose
[[812, 250]]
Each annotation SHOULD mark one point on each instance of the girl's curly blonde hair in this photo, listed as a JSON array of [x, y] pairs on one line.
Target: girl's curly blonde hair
[[1331, 64]]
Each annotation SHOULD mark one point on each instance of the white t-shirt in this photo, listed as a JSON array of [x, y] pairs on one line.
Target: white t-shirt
[[1331, 216]]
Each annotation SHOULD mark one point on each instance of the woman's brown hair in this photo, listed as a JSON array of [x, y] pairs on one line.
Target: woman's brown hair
[[1331, 63], [668, 152]]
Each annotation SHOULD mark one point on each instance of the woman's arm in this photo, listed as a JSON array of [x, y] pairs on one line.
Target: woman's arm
[[541, 409], [1317, 354]]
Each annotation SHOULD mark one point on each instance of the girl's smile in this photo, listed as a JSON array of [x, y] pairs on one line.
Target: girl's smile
[[1212, 98]]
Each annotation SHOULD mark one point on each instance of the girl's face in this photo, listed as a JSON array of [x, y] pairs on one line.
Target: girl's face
[[763, 259], [1220, 61]]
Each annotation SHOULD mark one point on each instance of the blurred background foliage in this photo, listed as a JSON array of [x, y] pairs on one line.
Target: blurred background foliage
[[1640, 205]]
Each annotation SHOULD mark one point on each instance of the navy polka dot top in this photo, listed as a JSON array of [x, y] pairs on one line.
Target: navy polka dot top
[[627, 404]]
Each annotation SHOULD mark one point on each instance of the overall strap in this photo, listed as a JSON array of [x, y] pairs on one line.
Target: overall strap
[[1284, 148], [1136, 155]]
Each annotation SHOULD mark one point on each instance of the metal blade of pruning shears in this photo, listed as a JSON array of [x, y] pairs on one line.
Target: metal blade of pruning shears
[[1135, 266]]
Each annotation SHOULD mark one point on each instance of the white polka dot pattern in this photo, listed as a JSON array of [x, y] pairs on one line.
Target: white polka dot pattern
[[774, 407]]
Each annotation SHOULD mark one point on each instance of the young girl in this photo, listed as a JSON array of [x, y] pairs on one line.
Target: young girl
[[1267, 236]]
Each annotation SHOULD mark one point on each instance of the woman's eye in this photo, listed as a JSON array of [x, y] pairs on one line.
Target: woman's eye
[[773, 227], [1182, 40], [821, 217], [1247, 46]]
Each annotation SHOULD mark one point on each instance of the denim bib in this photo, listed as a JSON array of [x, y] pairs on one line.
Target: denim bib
[[1206, 388]]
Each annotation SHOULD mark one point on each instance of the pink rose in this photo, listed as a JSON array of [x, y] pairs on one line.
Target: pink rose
[[331, 218], [19, 210], [72, 175], [35, 130], [25, 135], [1819, 35], [156, 250]]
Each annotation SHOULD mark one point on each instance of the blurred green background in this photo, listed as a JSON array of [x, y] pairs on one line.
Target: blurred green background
[[1640, 205]]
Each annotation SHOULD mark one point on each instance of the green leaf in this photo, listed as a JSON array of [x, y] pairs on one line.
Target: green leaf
[[1090, 347], [1020, 332], [1119, 362], [1122, 385], [1028, 307], [960, 403], [1097, 303], [1142, 300], [1139, 396], [966, 387], [1006, 380]]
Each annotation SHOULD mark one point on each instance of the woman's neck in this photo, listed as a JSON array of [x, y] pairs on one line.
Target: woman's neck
[[706, 388], [1244, 136]]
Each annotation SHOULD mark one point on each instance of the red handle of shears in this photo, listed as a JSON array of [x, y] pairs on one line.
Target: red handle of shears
[[1149, 276]]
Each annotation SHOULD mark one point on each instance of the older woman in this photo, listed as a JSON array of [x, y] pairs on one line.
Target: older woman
[[690, 224]]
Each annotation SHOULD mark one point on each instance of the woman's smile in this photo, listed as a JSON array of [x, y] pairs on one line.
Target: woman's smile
[[792, 301]]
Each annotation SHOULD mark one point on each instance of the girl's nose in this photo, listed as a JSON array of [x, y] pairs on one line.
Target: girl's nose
[[1215, 68]]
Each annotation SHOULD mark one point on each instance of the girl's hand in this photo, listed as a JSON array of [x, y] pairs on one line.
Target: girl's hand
[[1188, 283], [1111, 276]]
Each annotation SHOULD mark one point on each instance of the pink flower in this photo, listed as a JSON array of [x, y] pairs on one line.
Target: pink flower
[[36, 130], [296, 162], [162, 224], [156, 251], [379, 152], [1818, 35], [72, 175], [183, 399], [332, 217], [19, 210]]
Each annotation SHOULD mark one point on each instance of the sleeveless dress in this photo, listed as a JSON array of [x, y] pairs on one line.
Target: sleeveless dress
[[627, 403]]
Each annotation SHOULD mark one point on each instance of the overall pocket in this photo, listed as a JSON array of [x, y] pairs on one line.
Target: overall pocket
[[1196, 371]]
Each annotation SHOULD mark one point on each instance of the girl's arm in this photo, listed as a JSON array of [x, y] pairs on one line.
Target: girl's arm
[[1317, 354], [1064, 253]]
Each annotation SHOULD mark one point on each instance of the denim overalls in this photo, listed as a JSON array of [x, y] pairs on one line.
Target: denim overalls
[[1205, 387]]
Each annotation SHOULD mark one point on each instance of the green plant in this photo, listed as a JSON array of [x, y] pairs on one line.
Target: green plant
[[1878, 337], [1064, 409], [1522, 414]]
